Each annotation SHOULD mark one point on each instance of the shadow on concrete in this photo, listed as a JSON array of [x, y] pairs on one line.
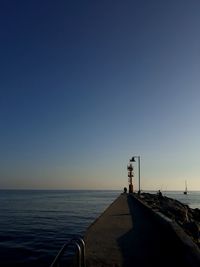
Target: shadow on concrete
[[149, 243]]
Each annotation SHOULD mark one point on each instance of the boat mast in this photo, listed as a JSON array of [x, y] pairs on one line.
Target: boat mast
[[185, 186]]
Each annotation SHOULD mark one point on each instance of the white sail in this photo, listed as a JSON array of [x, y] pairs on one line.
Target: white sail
[[186, 191]]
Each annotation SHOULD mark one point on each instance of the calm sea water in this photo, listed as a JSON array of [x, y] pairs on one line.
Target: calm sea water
[[35, 224]]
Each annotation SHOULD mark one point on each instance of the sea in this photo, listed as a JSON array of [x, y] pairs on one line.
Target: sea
[[34, 224]]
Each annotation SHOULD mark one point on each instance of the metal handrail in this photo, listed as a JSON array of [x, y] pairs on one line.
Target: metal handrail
[[80, 245]]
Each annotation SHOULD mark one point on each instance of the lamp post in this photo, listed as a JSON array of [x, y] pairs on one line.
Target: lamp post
[[133, 160]]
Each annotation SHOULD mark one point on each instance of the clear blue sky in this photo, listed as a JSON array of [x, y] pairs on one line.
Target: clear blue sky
[[85, 85]]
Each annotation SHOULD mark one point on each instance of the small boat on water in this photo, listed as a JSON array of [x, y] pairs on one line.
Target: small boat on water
[[186, 190]]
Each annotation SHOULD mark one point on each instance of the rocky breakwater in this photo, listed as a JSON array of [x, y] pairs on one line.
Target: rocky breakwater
[[186, 217]]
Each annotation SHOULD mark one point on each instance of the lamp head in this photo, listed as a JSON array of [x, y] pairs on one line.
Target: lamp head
[[132, 159]]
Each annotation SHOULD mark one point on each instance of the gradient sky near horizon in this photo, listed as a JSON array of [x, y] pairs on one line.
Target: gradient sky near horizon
[[85, 85]]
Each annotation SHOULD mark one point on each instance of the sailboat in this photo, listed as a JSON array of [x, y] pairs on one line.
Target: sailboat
[[186, 191]]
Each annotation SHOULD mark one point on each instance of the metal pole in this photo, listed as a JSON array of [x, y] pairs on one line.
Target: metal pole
[[139, 171]]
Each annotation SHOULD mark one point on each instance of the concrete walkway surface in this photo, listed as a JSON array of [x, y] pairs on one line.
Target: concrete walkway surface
[[127, 235]]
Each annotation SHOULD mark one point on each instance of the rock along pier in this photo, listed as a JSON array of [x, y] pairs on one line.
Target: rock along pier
[[129, 233]]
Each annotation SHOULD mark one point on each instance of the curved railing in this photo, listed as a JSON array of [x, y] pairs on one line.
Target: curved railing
[[80, 249]]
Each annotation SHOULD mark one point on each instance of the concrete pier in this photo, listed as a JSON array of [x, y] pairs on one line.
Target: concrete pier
[[127, 234]]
